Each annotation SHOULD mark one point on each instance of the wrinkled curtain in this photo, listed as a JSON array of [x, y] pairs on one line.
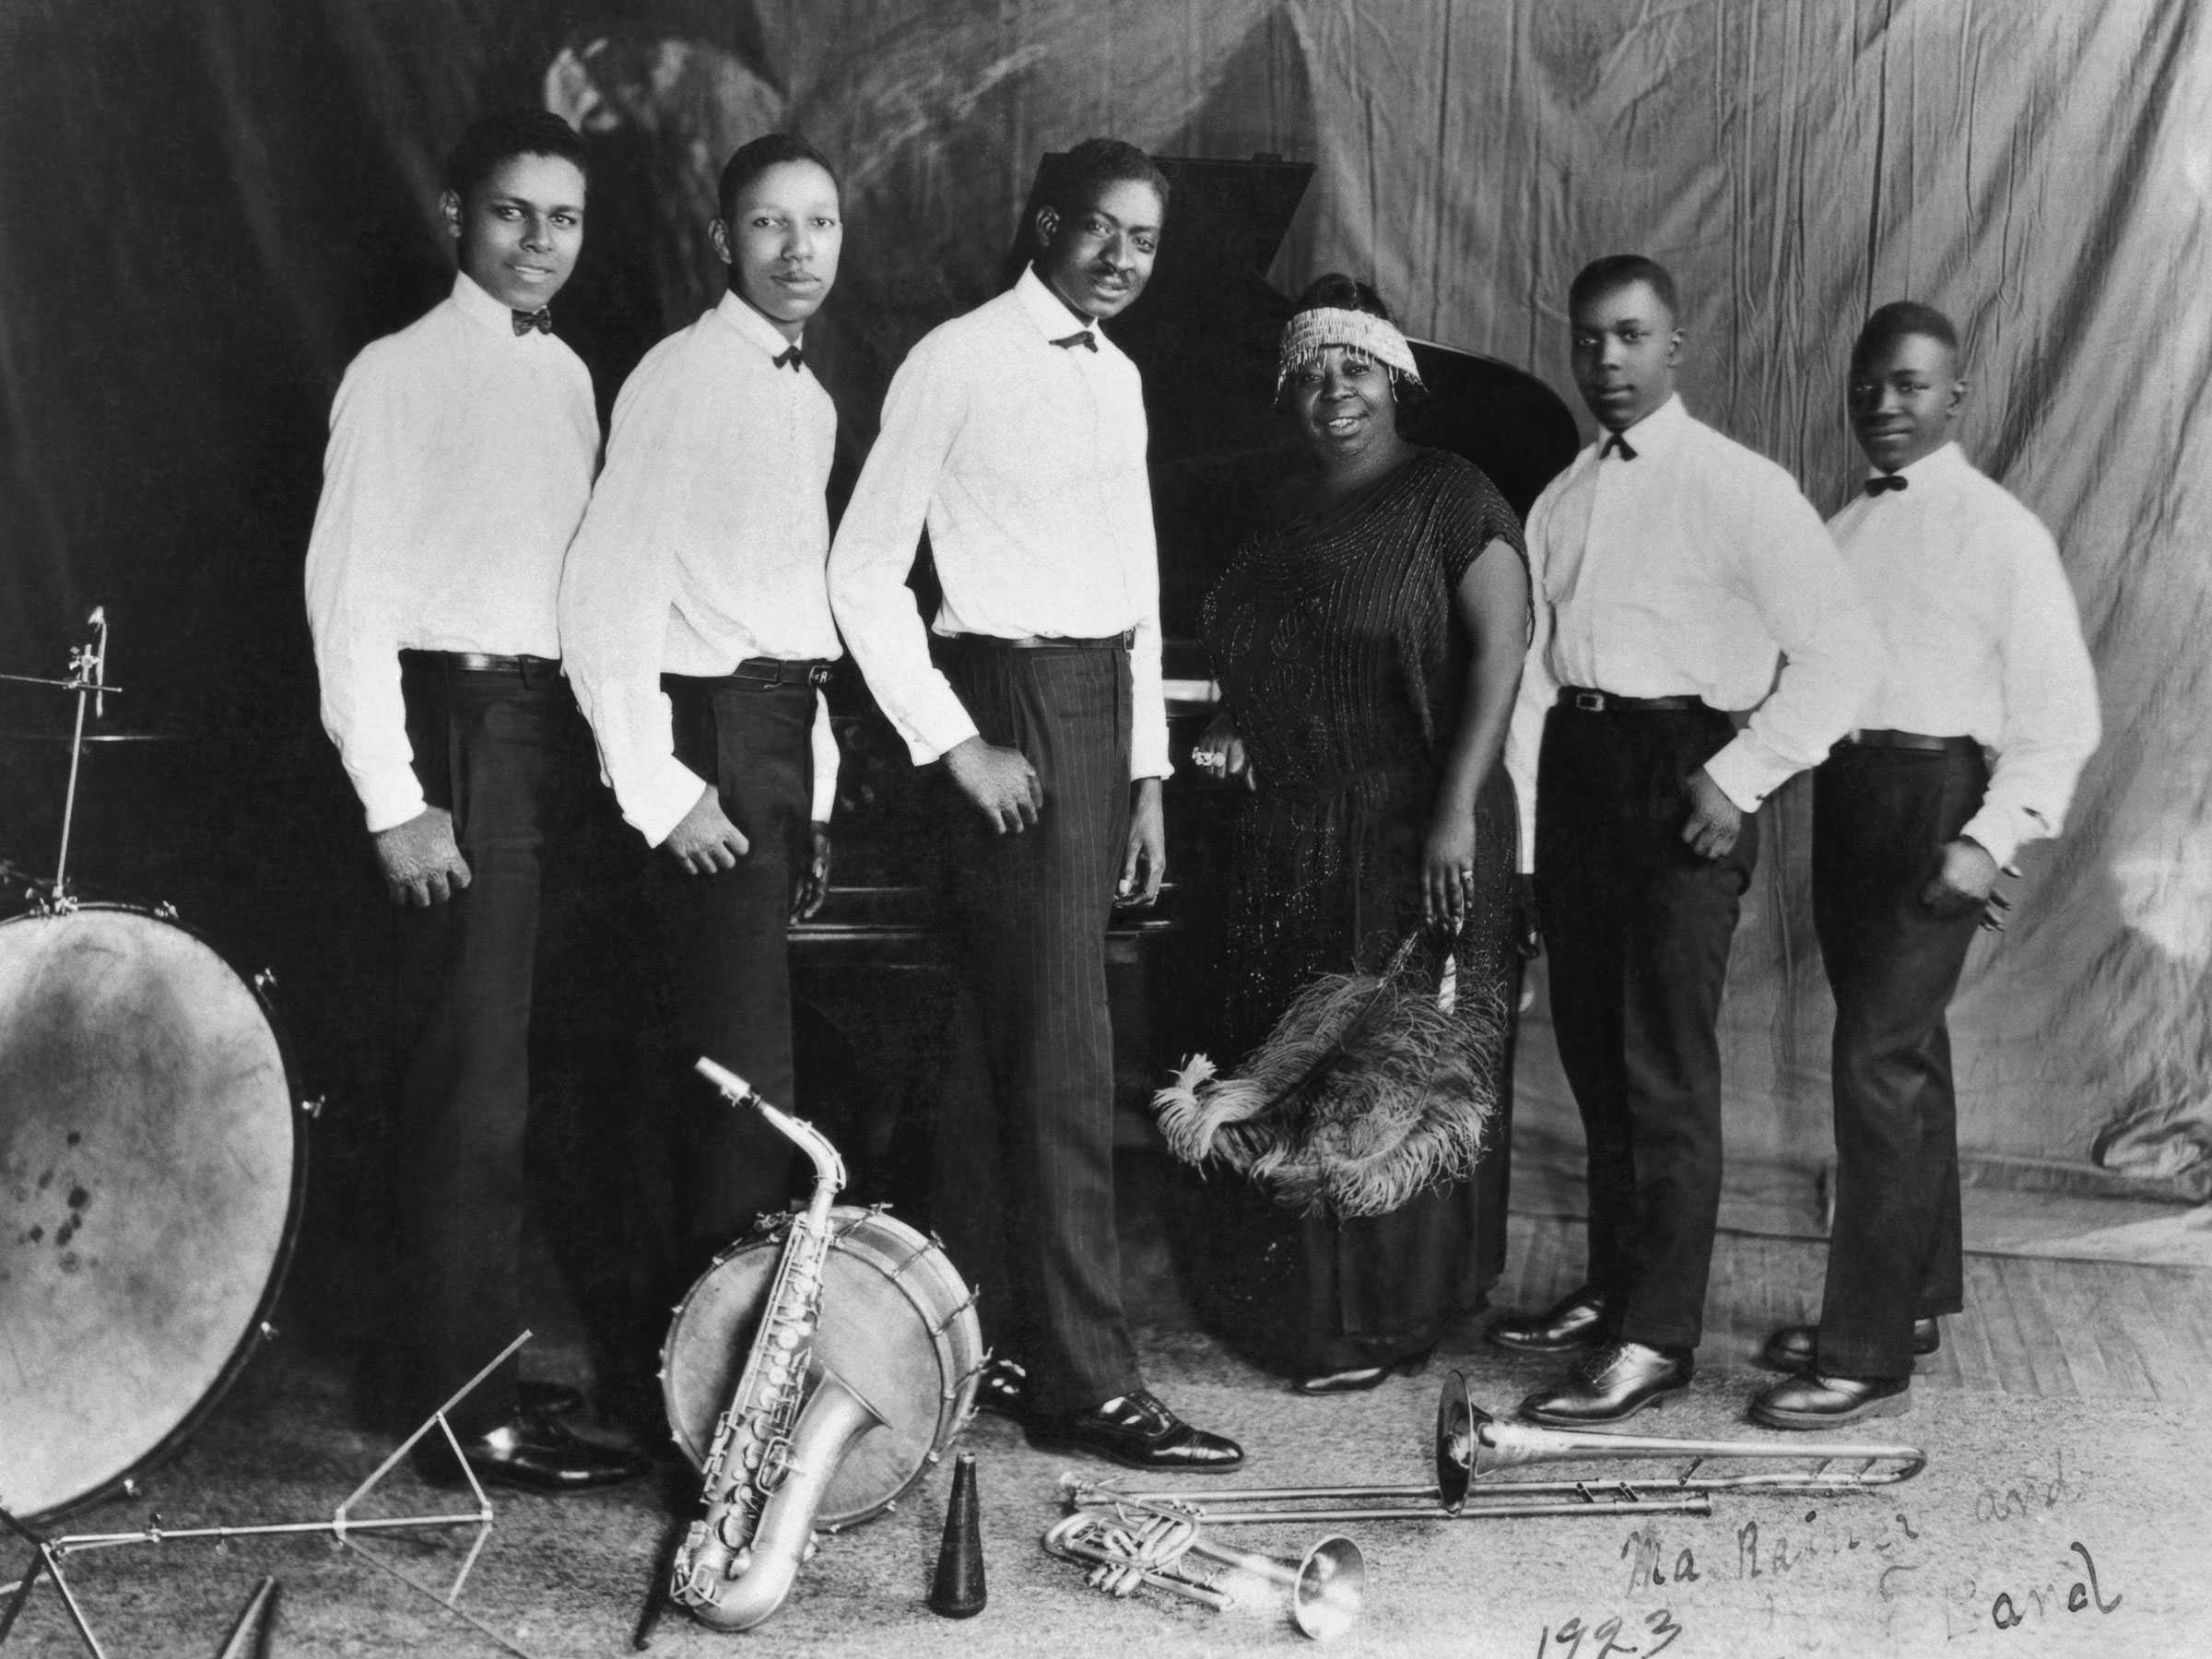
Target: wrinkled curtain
[[207, 208]]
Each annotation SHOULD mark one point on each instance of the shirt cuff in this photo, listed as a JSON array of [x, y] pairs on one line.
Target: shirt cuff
[[391, 798], [2000, 832], [1749, 772], [655, 808], [933, 738]]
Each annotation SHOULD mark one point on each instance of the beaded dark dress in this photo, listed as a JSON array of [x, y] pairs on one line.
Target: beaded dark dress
[[1342, 662]]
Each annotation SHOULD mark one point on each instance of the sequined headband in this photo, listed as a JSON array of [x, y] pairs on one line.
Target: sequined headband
[[1307, 333]]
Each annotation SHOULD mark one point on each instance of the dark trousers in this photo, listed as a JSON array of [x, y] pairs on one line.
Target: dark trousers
[[508, 754], [1027, 1175], [1636, 928], [1880, 819], [729, 935]]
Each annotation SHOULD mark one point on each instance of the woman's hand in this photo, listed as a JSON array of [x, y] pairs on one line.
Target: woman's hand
[[1220, 753], [1448, 870]]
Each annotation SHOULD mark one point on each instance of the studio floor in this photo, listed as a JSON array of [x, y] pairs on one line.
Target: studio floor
[[2064, 1508]]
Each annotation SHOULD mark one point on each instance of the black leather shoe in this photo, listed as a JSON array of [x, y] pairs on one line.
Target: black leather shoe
[[1576, 1320], [547, 1399], [1816, 1401], [1360, 1377], [538, 1454], [1791, 1347], [1137, 1431], [1611, 1383], [1005, 1388]]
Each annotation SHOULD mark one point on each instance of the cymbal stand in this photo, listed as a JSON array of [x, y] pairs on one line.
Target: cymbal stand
[[89, 680], [342, 1526]]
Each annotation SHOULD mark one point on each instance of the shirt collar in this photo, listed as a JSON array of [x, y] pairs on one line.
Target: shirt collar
[[1658, 434], [755, 327], [1055, 321], [479, 306], [1939, 463]]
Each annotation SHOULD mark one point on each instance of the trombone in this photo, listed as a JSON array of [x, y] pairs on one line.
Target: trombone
[[1472, 1446]]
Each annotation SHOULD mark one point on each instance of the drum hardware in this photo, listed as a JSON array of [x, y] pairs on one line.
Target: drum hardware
[[344, 1527], [265, 981], [89, 682], [1471, 1446], [1149, 1542]]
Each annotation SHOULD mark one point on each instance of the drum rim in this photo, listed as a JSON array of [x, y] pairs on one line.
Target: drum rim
[[250, 1343]]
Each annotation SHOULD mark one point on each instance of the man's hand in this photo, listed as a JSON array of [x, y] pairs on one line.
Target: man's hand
[[1145, 866], [1220, 753], [814, 887], [705, 841], [1448, 870], [1528, 918], [1000, 783], [421, 862], [1963, 880], [1714, 820]]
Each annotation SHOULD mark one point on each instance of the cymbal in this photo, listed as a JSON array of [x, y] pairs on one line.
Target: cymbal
[[90, 737]]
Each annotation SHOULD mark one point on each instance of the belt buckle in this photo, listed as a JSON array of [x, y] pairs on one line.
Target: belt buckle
[[819, 674], [1589, 702]]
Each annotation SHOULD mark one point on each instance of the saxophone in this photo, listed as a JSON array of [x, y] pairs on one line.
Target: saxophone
[[788, 1426]]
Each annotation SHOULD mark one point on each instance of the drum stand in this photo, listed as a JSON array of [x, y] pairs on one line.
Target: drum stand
[[343, 1527], [89, 680]]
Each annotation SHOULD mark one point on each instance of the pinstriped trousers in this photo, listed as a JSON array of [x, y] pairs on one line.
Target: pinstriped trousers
[[1031, 910]]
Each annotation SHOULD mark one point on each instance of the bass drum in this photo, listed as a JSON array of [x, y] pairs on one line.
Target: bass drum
[[897, 1323], [151, 1171]]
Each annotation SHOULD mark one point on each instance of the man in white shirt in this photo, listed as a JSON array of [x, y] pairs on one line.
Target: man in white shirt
[[695, 619], [1674, 571], [461, 456], [1016, 435], [1912, 824]]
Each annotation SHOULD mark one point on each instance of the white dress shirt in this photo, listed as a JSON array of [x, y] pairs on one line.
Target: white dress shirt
[[1694, 569], [460, 460], [705, 544], [1983, 638], [1025, 461]]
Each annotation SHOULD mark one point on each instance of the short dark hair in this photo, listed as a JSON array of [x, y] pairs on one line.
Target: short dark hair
[[1619, 270], [1075, 181], [748, 162], [1336, 291], [506, 134], [1899, 320]]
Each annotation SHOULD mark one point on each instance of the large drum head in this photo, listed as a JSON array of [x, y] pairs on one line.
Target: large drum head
[[897, 1324], [149, 1181]]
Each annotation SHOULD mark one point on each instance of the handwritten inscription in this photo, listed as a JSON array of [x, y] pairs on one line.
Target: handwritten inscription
[[1884, 1541], [2030, 1495], [2014, 1606], [1658, 1634]]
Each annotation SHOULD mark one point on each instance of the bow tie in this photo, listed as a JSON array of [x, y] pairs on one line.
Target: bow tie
[[792, 358], [1617, 442], [1083, 337], [1875, 486], [541, 319]]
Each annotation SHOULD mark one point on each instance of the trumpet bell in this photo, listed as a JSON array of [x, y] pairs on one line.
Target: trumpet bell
[[1330, 1588]]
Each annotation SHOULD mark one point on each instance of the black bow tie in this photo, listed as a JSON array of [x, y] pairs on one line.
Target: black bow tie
[[792, 358], [1083, 337], [1881, 481], [541, 319], [1617, 442]]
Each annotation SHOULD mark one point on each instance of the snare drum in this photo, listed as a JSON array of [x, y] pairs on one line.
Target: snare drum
[[151, 1171], [897, 1323]]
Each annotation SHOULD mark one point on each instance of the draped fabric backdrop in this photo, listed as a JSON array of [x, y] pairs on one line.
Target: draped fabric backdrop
[[210, 205]]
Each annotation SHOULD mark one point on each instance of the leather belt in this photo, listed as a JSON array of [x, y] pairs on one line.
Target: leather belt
[[479, 661], [1587, 702], [781, 671], [1883, 737], [1121, 642]]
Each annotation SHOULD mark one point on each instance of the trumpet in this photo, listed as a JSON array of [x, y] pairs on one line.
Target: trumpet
[[1471, 1446], [1147, 1542]]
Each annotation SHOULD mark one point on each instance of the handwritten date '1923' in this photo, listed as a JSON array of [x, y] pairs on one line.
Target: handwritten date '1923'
[[1566, 1642]]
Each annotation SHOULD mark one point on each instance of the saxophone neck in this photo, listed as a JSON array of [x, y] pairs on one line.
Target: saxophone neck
[[828, 1168]]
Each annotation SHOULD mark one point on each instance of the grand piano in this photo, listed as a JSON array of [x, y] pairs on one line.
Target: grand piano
[[882, 1030]]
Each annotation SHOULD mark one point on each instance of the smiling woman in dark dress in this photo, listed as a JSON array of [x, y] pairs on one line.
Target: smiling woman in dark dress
[[1368, 641]]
